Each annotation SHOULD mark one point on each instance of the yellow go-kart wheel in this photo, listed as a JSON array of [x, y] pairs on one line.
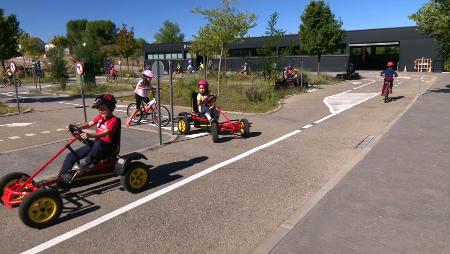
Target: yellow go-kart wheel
[[244, 127], [136, 178], [184, 125], [41, 208]]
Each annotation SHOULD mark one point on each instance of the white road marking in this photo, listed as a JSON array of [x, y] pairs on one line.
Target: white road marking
[[404, 77], [1, 140], [306, 126], [311, 90], [196, 135], [10, 125], [14, 137], [148, 198], [121, 106], [45, 132], [120, 110], [373, 81], [60, 129], [356, 82], [30, 134]]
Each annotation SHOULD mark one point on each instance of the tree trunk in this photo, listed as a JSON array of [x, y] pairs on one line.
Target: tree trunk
[[318, 65], [128, 65], [218, 72]]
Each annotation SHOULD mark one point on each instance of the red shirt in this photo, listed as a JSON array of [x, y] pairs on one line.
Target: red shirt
[[111, 124]]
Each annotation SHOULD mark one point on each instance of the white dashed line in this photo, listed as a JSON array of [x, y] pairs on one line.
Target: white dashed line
[[196, 135], [306, 126], [60, 129], [30, 134], [14, 137], [44, 132]]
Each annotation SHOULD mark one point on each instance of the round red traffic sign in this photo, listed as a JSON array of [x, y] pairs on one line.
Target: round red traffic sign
[[79, 68], [12, 66]]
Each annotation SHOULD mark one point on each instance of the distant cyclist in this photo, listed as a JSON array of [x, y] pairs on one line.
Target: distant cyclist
[[388, 75]]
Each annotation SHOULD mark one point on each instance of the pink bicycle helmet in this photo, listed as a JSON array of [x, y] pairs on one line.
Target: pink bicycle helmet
[[148, 73], [203, 82]]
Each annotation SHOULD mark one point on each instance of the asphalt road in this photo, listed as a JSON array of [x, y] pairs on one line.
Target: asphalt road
[[227, 197]]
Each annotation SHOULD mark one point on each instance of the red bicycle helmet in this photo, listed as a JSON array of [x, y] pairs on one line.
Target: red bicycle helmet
[[107, 99], [390, 64], [204, 83]]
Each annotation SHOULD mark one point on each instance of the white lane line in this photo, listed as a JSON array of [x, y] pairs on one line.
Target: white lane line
[[60, 129], [121, 106], [196, 135], [44, 132], [306, 126], [405, 77], [30, 134], [120, 110], [148, 198], [10, 125], [14, 137], [1, 140]]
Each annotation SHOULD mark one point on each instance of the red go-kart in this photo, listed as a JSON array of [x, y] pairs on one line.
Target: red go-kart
[[199, 120], [40, 203]]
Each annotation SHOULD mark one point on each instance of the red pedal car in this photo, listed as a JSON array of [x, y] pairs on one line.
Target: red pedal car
[[199, 120], [40, 203]]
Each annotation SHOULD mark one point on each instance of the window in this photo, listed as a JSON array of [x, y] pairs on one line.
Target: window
[[161, 56], [368, 51], [356, 51], [188, 56], [393, 50], [380, 50]]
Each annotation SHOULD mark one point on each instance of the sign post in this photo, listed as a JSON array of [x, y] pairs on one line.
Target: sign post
[[158, 68], [171, 97], [80, 71], [12, 67]]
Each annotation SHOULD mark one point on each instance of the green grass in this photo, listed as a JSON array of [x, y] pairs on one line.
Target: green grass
[[101, 88], [237, 93], [5, 109]]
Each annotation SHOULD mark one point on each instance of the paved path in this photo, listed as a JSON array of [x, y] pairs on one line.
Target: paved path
[[396, 200]]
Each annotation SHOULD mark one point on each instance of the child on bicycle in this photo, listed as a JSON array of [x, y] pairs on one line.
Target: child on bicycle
[[140, 93], [105, 137], [204, 99], [388, 75]]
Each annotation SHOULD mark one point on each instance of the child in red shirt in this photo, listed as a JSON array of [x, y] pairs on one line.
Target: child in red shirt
[[105, 135]]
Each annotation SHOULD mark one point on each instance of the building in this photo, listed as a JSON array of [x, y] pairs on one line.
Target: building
[[368, 49]]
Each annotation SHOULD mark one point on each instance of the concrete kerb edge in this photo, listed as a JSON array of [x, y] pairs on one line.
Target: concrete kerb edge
[[28, 110], [285, 227]]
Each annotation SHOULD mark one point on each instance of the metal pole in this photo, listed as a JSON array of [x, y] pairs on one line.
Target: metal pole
[[420, 81], [82, 97], [17, 93], [158, 99], [171, 97]]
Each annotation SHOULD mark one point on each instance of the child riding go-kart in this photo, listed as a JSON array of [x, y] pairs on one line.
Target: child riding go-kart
[[207, 116], [40, 203]]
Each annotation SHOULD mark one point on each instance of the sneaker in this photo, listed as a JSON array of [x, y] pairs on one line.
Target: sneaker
[[128, 121], [83, 167], [67, 177]]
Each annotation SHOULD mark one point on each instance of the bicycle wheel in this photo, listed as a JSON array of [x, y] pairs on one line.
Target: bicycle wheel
[[165, 116], [18, 82], [138, 116]]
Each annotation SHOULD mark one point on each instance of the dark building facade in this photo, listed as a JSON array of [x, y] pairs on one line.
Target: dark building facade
[[367, 49]]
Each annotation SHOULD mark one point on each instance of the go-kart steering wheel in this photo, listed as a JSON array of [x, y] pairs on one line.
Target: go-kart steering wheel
[[76, 132]]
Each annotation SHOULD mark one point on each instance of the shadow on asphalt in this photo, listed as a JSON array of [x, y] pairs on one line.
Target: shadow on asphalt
[[223, 139], [76, 204], [440, 90], [163, 174], [45, 99], [396, 98]]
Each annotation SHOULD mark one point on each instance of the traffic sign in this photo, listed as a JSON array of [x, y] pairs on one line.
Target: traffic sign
[[158, 72], [12, 66], [79, 68]]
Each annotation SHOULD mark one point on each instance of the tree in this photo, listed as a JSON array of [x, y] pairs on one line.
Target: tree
[[58, 67], [270, 48], [434, 20], [320, 32], [169, 33], [9, 35], [226, 25], [140, 43], [126, 44], [89, 40], [60, 42]]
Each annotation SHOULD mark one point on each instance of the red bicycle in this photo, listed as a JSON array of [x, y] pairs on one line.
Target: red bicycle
[[387, 88]]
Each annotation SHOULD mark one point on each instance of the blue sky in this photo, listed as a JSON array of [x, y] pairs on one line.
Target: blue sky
[[47, 18]]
